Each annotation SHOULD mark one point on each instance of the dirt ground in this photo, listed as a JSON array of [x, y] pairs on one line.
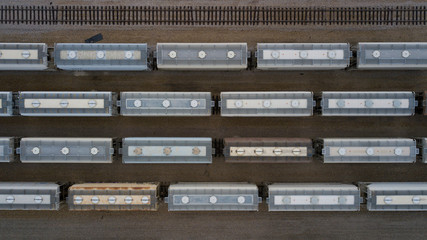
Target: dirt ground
[[214, 225]]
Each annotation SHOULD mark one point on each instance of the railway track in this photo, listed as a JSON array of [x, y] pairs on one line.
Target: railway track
[[211, 16]]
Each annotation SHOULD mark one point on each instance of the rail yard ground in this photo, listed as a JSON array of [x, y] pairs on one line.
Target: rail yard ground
[[215, 225]]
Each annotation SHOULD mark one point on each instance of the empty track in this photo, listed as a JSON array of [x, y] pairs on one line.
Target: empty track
[[211, 16]]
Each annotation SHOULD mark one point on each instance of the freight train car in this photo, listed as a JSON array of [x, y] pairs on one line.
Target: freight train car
[[313, 197], [29, 196], [7, 145], [6, 104], [266, 104], [369, 150], [397, 196], [268, 150], [167, 150], [392, 55], [202, 56], [113, 196], [165, 103], [213, 197], [303, 56], [101, 56], [88, 104], [66, 150], [368, 103], [23, 56], [424, 150]]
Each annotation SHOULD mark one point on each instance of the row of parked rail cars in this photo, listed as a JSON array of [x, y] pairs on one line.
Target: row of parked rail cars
[[213, 56], [187, 196], [230, 104], [201, 150]]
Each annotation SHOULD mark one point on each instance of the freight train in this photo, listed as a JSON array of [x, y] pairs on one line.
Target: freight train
[[215, 196], [200, 150], [214, 56], [202, 104]]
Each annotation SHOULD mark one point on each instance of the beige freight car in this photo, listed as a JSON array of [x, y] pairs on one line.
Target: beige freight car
[[113, 196], [268, 150]]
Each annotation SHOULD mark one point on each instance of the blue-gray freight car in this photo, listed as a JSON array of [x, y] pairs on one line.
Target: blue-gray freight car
[[6, 104], [213, 197], [66, 150], [303, 56], [369, 150], [165, 103], [202, 56], [392, 55], [29, 196], [313, 197], [368, 103], [266, 104]]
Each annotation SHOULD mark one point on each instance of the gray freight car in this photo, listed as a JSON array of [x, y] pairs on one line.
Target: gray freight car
[[6, 104], [313, 197], [213, 197], [167, 150], [266, 104], [397, 196], [23, 56], [369, 150], [7, 145], [29, 196], [202, 56], [165, 103], [368, 103], [113, 196], [66, 150], [268, 150], [303, 56], [392, 55], [424, 150], [101, 56], [425, 103], [90, 104]]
